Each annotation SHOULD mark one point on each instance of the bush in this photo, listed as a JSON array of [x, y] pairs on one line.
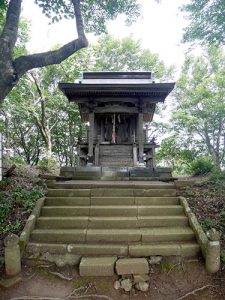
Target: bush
[[201, 166]]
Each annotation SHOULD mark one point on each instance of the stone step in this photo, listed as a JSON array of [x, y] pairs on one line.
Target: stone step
[[62, 211], [163, 234], [163, 221], [71, 201], [144, 235], [115, 164], [157, 201], [154, 192], [112, 192], [165, 249], [68, 193], [110, 222], [138, 192], [118, 155], [112, 201], [59, 235], [163, 210], [109, 184], [113, 235], [120, 249], [62, 222], [135, 201], [110, 210]]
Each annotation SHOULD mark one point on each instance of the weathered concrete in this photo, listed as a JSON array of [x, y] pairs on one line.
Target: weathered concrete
[[112, 222], [112, 201], [102, 249], [109, 192], [97, 266], [162, 221], [30, 224], [165, 210], [141, 250], [163, 234], [68, 193], [59, 235], [9, 282], [12, 255], [63, 211], [141, 278], [115, 210], [190, 249], [132, 266], [113, 235], [154, 192], [62, 222], [156, 201], [71, 201], [212, 258]]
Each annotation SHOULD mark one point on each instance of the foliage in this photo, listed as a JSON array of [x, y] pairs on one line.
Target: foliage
[[95, 13], [207, 21], [61, 120], [17, 198], [207, 224], [199, 115], [201, 166], [176, 154]]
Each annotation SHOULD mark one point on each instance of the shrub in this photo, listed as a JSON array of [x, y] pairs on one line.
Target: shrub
[[207, 224], [201, 166]]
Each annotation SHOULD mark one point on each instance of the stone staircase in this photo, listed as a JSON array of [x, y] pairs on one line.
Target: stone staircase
[[125, 219], [116, 155]]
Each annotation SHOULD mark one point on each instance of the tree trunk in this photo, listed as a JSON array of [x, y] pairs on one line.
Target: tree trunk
[[13, 70]]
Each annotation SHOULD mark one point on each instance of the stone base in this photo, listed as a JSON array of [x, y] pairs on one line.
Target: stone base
[[117, 173], [97, 266], [9, 282]]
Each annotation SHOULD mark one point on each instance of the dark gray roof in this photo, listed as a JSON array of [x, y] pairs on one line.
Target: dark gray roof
[[156, 91]]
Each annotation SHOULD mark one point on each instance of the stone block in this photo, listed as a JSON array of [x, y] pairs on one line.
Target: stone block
[[9, 282], [97, 266], [141, 278], [132, 266]]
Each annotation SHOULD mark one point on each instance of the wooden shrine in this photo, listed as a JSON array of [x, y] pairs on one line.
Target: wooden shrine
[[116, 106]]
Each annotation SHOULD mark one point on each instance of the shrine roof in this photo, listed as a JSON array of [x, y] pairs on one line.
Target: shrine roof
[[155, 91]]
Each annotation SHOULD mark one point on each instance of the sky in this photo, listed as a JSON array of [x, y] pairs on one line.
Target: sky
[[159, 29]]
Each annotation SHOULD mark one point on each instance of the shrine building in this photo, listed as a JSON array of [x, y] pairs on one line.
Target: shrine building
[[118, 108]]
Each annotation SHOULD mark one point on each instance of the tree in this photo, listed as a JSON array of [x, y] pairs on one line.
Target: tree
[[207, 21], [93, 14], [200, 112], [37, 100]]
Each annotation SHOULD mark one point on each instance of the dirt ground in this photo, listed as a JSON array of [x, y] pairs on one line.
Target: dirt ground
[[172, 280]]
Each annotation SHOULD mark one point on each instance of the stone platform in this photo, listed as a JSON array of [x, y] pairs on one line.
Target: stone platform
[[117, 173], [92, 218]]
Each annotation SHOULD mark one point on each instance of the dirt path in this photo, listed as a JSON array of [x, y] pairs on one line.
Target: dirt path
[[170, 281]]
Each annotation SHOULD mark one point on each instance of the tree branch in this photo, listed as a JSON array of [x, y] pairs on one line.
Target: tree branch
[[10, 30], [24, 63], [78, 18]]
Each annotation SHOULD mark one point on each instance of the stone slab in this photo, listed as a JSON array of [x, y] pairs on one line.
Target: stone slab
[[166, 249], [98, 249], [112, 222], [113, 235], [141, 278], [9, 282], [132, 266], [97, 266]]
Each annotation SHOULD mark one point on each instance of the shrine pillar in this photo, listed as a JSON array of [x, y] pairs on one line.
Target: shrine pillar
[[140, 138], [91, 138]]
